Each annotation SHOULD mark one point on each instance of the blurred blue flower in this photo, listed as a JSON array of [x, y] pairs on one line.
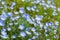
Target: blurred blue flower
[[10, 14], [21, 10], [3, 16], [22, 34], [21, 27], [49, 24], [2, 23], [13, 3], [28, 8], [39, 17]]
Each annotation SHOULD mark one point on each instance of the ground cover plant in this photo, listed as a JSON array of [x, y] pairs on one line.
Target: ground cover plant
[[29, 19]]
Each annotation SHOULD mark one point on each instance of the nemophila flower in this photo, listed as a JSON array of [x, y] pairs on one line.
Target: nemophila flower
[[42, 3], [27, 32], [49, 24], [13, 4], [36, 33], [32, 8], [47, 5], [54, 14], [17, 17], [45, 27], [58, 9], [35, 24], [27, 29], [38, 22], [2, 23], [3, 32], [55, 27], [41, 25], [39, 17], [3, 16], [10, 14], [3, 2], [55, 36], [33, 29], [4, 36], [26, 16], [22, 34], [21, 10], [12, 18], [4, 29], [12, 7], [53, 7], [33, 19], [37, 1], [28, 8], [21, 27]]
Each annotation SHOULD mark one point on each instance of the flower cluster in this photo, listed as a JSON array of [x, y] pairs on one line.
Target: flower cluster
[[34, 20]]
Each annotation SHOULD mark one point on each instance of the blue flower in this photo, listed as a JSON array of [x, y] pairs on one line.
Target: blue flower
[[21, 27], [10, 14], [21, 10], [28, 8], [26, 16], [13, 3], [3, 16], [22, 34], [2, 23], [49, 24]]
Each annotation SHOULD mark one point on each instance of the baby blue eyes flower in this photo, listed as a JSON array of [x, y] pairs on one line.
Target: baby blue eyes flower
[[21, 27], [10, 14], [59, 9], [27, 32], [49, 24], [39, 17], [22, 34], [26, 16], [13, 3], [28, 8], [4, 16], [33, 29], [2, 23], [21, 10]]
